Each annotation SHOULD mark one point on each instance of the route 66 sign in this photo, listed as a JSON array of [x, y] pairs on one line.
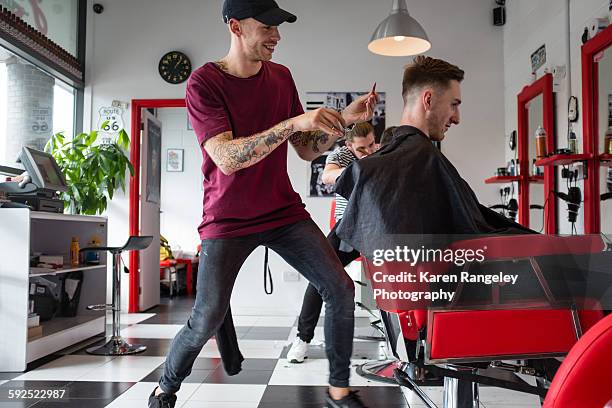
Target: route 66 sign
[[41, 117], [113, 116]]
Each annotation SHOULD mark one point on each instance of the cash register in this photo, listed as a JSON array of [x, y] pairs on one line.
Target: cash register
[[38, 191]]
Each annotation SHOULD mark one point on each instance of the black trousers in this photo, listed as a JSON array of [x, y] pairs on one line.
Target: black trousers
[[312, 303]]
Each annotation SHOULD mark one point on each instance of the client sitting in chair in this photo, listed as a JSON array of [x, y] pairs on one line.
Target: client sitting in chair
[[411, 174], [409, 187]]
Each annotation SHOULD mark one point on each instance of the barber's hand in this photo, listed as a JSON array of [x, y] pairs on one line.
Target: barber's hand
[[361, 109], [324, 119]]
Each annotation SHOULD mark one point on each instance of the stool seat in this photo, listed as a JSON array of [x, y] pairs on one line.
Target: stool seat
[[133, 243]]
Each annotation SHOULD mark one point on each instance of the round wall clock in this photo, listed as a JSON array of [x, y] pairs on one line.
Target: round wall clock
[[174, 67]]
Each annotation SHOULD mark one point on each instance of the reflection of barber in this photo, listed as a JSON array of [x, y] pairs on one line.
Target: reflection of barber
[[359, 144]]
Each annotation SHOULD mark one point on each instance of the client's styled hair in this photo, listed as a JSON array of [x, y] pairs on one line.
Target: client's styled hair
[[429, 71]]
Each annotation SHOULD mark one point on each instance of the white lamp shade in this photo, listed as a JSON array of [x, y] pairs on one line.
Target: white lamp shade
[[399, 34]]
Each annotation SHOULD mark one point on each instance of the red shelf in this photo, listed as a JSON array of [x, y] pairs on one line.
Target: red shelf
[[536, 179], [606, 160], [502, 179], [560, 159]]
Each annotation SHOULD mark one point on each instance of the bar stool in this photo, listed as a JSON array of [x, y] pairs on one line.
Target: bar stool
[[117, 346]]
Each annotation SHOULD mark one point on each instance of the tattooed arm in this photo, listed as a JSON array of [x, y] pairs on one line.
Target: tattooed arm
[[231, 155], [310, 129], [310, 145]]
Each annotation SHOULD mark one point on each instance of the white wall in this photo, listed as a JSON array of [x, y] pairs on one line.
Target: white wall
[[326, 50], [529, 25], [181, 192]]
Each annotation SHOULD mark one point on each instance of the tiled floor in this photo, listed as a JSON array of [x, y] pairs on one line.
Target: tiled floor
[[266, 380]]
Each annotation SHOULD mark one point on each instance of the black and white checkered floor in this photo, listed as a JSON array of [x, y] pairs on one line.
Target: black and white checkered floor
[[267, 380]]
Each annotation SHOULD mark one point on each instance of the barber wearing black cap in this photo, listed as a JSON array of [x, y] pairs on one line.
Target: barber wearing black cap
[[244, 108]]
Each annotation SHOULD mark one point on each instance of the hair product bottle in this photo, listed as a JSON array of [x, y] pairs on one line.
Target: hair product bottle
[[74, 251], [540, 136]]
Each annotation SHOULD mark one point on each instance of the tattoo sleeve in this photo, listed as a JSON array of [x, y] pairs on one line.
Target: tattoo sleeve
[[311, 144], [231, 155]]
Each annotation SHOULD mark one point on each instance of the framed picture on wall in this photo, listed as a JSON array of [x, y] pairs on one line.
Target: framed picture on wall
[[317, 187], [174, 160]]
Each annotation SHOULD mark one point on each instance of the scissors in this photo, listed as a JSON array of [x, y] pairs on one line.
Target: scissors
[[349, 128]]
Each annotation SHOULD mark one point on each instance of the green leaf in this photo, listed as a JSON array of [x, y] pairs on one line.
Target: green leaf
[[131, 168], [89, 140], [123, 140]]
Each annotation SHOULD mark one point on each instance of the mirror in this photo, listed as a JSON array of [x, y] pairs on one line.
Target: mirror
[[596, 56], [535, 109], [604, 127], [535, 119]]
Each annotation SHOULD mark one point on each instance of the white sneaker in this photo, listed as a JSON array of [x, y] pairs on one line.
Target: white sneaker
[[297, 352]]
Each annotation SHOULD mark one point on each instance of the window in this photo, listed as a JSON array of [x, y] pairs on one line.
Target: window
[[33, 105]]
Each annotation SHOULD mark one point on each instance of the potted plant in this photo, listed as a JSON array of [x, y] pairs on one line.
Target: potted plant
[[93, 171]]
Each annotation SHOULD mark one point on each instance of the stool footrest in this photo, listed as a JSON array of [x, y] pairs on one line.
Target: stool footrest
[[116, 346], [100, 307]]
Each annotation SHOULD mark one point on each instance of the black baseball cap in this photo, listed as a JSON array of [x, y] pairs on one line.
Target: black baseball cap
[[264, 11]]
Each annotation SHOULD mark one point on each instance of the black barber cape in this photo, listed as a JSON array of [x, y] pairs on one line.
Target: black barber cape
[[410, 187]]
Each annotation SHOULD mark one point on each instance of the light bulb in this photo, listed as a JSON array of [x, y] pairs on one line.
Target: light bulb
[[399, 38]]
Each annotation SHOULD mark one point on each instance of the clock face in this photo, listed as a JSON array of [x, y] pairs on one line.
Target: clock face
[[175, 67]]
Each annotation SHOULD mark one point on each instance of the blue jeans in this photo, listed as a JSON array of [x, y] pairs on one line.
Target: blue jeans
[[303, 246]]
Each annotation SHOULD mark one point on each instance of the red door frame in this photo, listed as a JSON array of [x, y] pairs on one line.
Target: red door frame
[[134, 205], [544, 87], [590, 117]]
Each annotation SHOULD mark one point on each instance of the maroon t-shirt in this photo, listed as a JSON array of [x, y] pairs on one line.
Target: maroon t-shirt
[[259, 197]]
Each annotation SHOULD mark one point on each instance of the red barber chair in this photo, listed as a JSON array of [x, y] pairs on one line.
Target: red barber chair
[[583, 380], [469, 345]]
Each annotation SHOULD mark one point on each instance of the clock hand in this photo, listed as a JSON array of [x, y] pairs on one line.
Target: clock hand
[[177, 63]]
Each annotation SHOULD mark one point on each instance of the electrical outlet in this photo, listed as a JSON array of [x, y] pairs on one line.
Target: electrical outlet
[[291, 276]]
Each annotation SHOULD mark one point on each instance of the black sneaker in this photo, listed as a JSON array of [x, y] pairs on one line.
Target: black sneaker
[[350, 401], [162, 400]]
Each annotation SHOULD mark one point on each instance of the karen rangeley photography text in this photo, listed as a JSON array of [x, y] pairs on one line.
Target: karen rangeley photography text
[[392, 281]]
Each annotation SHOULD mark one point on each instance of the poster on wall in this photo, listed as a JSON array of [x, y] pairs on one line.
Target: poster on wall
[[317, 187], [338, 101], [153, 163]]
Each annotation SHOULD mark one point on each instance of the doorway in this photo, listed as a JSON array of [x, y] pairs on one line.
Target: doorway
[[138, 298]]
